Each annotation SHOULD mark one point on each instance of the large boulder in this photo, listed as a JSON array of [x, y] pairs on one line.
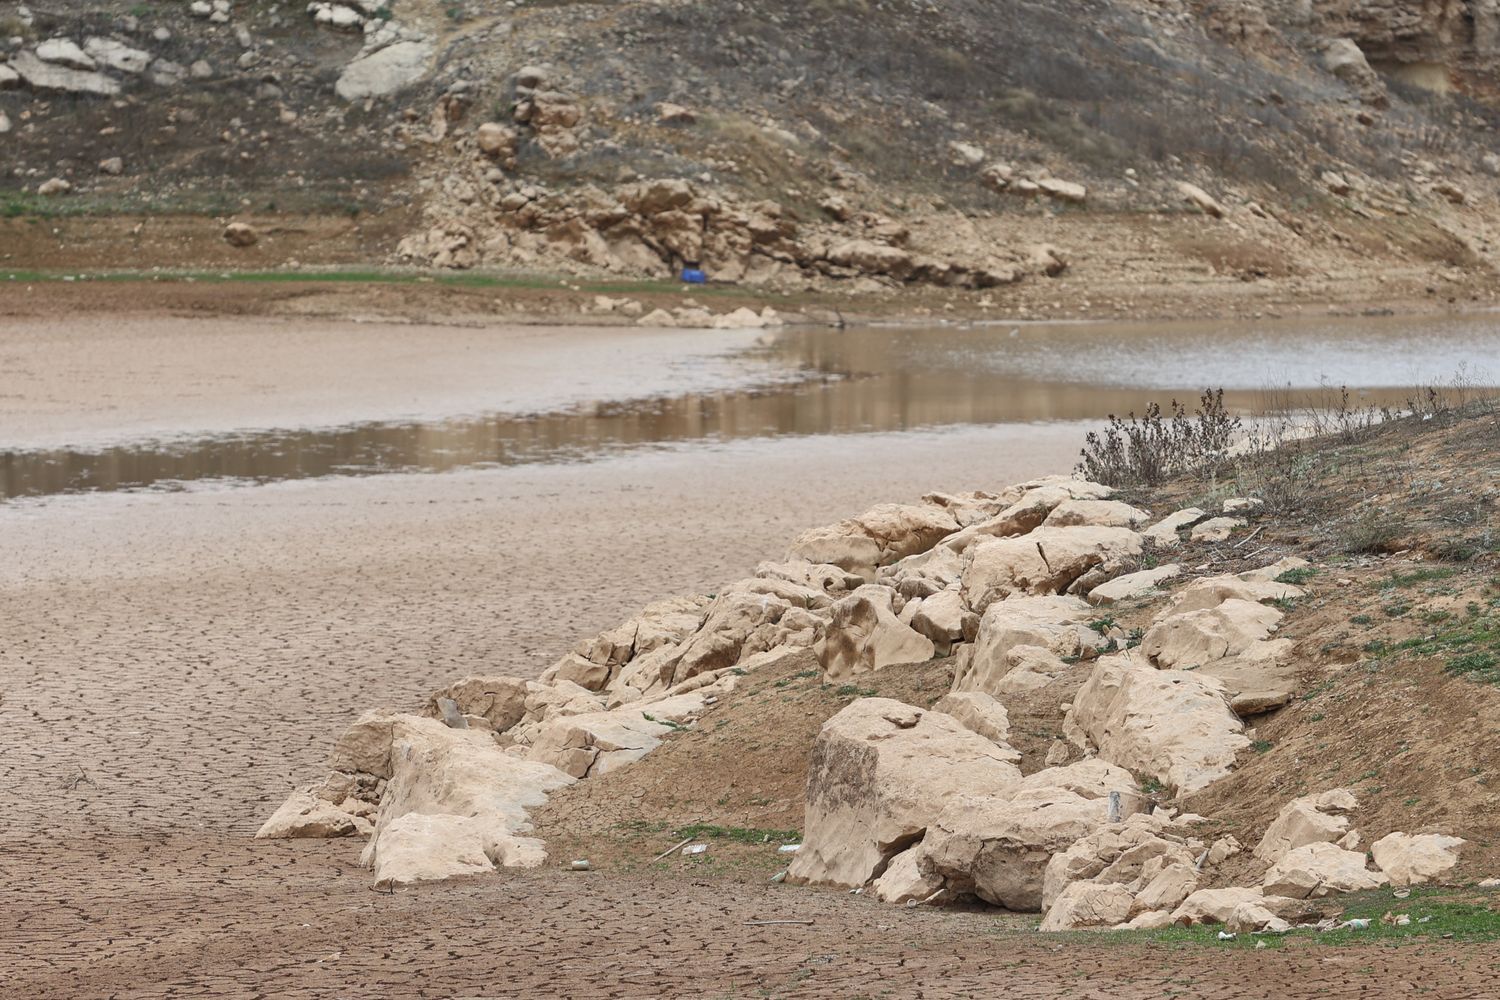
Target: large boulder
[[979, 712], [1193, 639], [1138, 584], [878, 537], [1313, 871], [1089, 904], [1052, 625], [1099, 513], [1044, 561], [864, 635], [469, 794], [1409, 859], [879, 775], [500, 701], [584, 746], [385, 71], [1175, 725], [42, 75], [304, 815], [998, 848], [1320, 818], [736, 625], [943, 618]]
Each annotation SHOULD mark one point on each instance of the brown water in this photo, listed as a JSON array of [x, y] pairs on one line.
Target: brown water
[[795, 382]]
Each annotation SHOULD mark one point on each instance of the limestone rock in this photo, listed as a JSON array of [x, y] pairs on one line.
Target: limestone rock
[[303, 815], [1061, 190], [1196, 638], [1252, 918], [735, 625], [53, 187], [1214, 906], [864, 635], [116, 55], [998, 849], [1044, 561], [1130, 585], [879, 775], [64, 52], [1200, 199], [819, 576], [1410, 859], [1215, 529], [1088, 904], [1101, 513], [497, 141], [1172, 724], [878, 537], [469, 799], [1052, 625], [979, 712], [501, 701], [385, 71], [943, 618], [1319, 869], [42, 75], [1164, 533], [240, 234], [1321, 818], [903, 882]]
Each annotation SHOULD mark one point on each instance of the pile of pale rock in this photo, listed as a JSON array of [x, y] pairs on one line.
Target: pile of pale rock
[[915, 805], [62, 65]]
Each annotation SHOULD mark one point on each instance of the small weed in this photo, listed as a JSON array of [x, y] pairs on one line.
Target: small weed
[[1102, 625], [1298, 576], [1424, 575], [1261, 746], [1151, 786], [853, 691]]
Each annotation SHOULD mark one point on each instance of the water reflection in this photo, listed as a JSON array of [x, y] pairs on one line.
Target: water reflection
[[844, 382]]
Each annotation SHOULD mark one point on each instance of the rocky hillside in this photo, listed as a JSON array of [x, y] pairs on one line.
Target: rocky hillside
[[957, 143]]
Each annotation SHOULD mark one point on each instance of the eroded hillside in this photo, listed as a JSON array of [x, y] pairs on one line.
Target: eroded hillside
[[859, 145]]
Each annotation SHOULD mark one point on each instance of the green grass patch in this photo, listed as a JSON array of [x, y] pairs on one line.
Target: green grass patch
[[1446, 917], [1426, 574], [1299, 575]]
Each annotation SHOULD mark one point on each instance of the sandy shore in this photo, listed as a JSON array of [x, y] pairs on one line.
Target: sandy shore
[[93, 379]]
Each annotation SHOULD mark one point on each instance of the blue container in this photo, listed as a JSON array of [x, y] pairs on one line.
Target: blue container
[[694, 276]]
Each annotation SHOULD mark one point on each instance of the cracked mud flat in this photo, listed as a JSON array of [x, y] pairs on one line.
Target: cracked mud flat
[[171, 663]]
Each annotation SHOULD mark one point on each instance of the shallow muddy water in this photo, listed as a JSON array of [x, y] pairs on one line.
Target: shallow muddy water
[[713, 386]]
